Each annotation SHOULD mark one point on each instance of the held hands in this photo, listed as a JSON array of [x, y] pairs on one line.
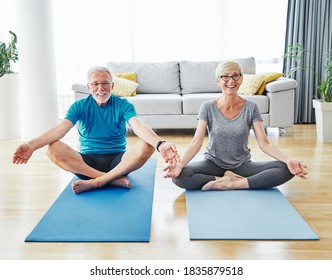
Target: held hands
[[169, 153], [297, 168], [22, 153]]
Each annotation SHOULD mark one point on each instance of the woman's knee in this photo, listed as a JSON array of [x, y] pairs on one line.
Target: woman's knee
[[185, 184], [178, 182], [285, 171]]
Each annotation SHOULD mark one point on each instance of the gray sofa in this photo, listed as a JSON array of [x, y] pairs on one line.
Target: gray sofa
[[170, 93]]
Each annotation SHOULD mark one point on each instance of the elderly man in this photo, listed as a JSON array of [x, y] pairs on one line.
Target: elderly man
[[103, 158]]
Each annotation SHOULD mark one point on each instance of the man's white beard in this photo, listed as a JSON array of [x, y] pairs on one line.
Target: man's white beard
[[105, 96]]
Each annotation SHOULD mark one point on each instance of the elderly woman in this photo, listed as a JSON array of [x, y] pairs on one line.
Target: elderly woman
[[227, 162]]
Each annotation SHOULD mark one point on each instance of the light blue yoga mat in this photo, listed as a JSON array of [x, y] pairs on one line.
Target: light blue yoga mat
[[263, 214], [110, 214]]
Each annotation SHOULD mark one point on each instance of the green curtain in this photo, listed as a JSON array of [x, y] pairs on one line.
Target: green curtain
[[309, 22]]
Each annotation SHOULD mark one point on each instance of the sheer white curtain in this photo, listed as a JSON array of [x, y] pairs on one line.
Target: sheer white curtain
[[255, 28]]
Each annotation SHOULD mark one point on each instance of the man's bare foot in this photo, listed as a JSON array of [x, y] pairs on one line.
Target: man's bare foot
[[80, 186], [223, 183], [121, 182]]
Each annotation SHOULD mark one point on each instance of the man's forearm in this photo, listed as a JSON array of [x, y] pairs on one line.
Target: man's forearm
[[146, 134], [50, 136]]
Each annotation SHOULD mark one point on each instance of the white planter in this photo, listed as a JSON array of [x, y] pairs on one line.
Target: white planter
[[323, 111], [9, 107]]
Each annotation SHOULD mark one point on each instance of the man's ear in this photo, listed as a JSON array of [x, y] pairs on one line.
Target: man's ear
[[88, 86]]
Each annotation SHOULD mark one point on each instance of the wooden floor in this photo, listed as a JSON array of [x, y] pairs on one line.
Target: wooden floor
[[27, 192]]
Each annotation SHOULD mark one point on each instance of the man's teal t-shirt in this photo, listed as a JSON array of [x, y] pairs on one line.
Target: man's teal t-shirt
[[102, 130]]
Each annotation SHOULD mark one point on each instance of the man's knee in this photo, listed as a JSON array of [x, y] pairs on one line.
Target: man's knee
[[147, 150], [53, 151]]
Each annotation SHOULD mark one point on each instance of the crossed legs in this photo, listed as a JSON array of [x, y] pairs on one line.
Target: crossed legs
[[70, 160], [229, 181], [206, 175]]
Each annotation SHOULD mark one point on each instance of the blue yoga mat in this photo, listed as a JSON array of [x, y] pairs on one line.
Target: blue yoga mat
[[109, 214], [263, 214]]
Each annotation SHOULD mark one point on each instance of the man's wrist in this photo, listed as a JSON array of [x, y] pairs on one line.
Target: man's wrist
[[160, 142], [31, 144]]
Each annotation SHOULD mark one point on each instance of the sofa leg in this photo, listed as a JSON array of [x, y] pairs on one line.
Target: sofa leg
[[282, 131]]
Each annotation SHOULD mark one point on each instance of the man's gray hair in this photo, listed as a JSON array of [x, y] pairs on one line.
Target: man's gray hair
[[99, 68], [226, 66]]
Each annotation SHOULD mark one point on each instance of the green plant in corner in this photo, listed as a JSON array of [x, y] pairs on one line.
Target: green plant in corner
[[325, 87], [301, 61], [8, 54]]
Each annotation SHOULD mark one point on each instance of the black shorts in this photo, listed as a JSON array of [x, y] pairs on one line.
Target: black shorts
[[101, 162]]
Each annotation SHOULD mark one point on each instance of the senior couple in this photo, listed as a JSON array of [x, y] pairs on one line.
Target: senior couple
[[104, 160]]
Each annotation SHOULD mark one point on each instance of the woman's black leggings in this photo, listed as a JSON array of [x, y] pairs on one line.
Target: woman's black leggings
[[259, 174]]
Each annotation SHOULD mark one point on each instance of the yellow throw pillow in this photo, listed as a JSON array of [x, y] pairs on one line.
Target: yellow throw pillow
[[268, 77], [123, 87], [250, 84], [131, 76]]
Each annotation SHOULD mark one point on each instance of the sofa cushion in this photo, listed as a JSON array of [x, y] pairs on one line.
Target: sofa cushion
[[158, 77], [250, 84], [192, 102], [262, 102], [131, 76], [157, 104], [123, 87], [268, 77], [198, 77]]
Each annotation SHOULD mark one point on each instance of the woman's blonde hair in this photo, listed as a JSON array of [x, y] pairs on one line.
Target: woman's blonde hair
[[227, 66]]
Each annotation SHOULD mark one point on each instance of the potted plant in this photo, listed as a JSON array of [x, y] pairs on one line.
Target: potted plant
[[9, 93], [323, 105], [8, 54]]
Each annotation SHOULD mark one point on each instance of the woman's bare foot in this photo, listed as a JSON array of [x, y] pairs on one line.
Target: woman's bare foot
[[223, 183], [232, 175], [80, 186]]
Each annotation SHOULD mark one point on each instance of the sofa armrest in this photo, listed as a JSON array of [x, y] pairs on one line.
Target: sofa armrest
[[81, 91], [281, 108], [80, 88], [281, 84], [281, 97]]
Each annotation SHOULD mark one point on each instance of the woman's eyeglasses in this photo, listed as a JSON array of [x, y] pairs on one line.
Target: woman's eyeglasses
[[226, 78]]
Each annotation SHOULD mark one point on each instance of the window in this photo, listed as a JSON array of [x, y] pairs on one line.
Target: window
[[255, 28], [94, 32]]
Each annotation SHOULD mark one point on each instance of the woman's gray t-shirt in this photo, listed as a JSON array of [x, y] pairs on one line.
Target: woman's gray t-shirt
[[228, 138]]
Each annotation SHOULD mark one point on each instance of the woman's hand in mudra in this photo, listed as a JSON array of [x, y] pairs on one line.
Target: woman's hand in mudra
[[173, 170]]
